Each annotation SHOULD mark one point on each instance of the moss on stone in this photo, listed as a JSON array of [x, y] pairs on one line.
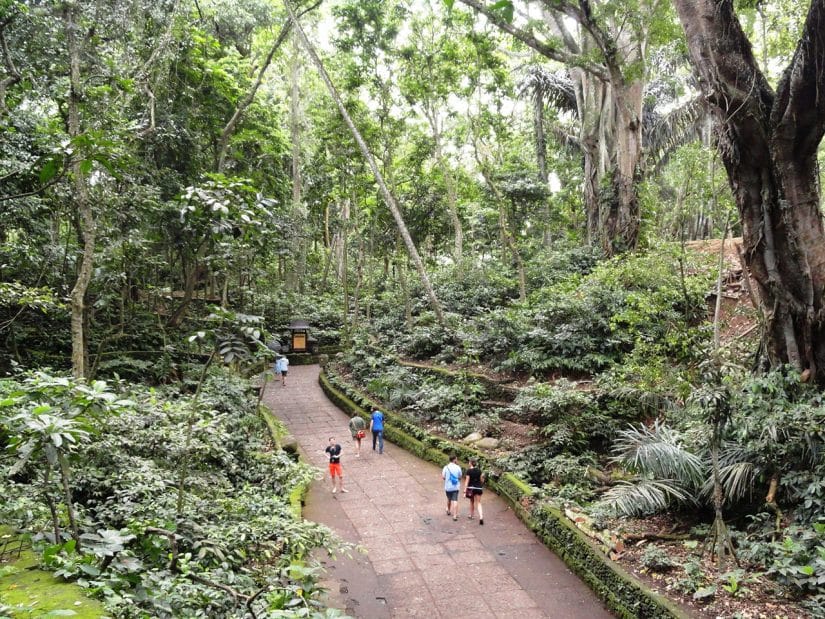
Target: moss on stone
[[31, 592], [277, 431]]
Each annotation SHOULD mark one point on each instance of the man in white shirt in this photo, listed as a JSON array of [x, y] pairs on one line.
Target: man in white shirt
[[281, 367]]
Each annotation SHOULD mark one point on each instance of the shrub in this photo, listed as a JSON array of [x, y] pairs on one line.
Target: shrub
[[656, 559]]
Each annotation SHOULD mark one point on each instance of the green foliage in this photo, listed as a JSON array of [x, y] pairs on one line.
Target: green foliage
[[16, 294], [569, 416], [455, 406], [779, 423], [540, 464], [666, 472], [798, 560], [693, 578], [656, 559], [586, 324], [238, 529]]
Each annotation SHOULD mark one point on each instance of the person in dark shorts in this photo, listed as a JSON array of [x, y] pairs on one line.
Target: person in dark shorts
[[334, 452], [451, 474], [474, 488]]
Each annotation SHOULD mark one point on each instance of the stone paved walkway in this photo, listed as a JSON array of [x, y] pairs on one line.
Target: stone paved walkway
[[418, 562]]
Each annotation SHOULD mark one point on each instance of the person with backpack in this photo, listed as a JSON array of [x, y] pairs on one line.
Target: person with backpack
[[474, 488], [377, 429], [451, 474], [281, 368]]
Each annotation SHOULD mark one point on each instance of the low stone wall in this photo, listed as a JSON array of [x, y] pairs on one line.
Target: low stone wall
[[620, 591], [298, 494]]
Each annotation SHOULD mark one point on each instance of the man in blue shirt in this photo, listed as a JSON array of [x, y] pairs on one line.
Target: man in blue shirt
[[451, 474], [377, 429]]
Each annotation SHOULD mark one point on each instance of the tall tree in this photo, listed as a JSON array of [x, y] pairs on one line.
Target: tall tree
[[768, 141], [379, 178], [432, 65], [81, 200], [606, 55]]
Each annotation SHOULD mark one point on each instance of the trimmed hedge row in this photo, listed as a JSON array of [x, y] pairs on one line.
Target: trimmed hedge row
[[620, 591]]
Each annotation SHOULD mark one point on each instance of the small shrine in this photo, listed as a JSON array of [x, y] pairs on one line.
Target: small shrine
[[299, 336]]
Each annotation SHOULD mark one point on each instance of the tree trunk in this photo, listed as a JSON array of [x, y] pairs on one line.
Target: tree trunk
[[506, 235], [246, 101], [190, 281], [344, 273], [609, 109], [88, 227], [449, 184], [541, 162], [621, 232], [385, 192], [67, 496], [768, 143], [47, 496], [298, 212]]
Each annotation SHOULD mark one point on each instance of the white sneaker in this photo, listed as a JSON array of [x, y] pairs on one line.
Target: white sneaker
[[334, 491]]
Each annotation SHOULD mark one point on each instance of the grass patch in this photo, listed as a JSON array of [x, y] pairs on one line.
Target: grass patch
[[29, 592]]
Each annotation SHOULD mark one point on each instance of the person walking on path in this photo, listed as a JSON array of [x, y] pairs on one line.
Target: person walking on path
[[334, 451], [377, 429], [474, 488], [357, 427], [451, 474], [281, 367]]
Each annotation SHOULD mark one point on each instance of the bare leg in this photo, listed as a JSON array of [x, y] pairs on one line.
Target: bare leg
[[480, 513]]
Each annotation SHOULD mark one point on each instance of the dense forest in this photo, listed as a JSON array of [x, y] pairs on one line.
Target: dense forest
[[588, 229]]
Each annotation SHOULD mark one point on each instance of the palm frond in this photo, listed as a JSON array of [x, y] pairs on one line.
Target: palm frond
[[645, 496], [565, 139], [556, 89], [737, 479], [664, 134], [657, 451]]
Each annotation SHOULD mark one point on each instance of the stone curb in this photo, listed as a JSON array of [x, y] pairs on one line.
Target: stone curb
[[621, 591], [298, 493]]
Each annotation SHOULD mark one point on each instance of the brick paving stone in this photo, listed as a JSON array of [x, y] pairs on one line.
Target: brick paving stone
[[454, 603], [395, 510], [393, 566], [530, 613], [503, 582], [510, 599]]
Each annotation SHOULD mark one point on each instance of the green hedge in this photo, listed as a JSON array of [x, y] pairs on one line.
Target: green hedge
[[621, 592]]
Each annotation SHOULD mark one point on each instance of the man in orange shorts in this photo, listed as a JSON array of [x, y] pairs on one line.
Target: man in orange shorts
[[334, 451]]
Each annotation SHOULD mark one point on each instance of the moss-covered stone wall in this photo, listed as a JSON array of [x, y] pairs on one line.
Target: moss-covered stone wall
[[298, 494], [621, 592]]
